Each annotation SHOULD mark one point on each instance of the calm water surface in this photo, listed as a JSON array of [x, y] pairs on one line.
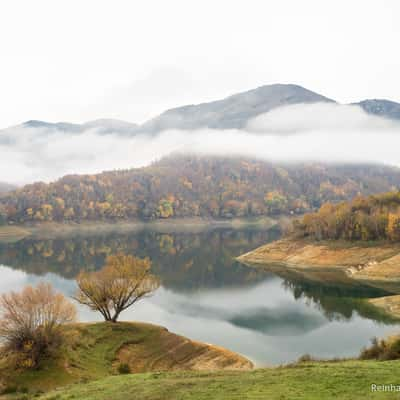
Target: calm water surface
[[271, 318]]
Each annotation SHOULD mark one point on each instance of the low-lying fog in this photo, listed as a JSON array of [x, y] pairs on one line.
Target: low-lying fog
[[313, 132]]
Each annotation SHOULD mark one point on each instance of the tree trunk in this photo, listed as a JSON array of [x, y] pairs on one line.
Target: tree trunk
[[114, 319]]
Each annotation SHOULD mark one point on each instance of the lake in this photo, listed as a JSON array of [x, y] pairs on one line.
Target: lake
[[269, 317]]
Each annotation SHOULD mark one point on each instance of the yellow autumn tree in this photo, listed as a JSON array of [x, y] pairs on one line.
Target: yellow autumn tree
[[165, 208], [122, 282], [275, 201], [393, 226]]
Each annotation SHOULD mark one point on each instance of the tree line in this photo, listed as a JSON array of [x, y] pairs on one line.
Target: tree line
[[211, 187], [375, 217]]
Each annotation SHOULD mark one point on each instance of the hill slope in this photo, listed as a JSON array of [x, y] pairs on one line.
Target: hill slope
[[209, 187], [93, 351]]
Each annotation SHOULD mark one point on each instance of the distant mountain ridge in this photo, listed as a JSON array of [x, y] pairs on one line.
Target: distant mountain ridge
[[232, 112], [101, 125], [381, 107]]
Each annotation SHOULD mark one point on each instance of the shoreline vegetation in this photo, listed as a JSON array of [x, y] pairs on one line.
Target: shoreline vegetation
[[360, 238]]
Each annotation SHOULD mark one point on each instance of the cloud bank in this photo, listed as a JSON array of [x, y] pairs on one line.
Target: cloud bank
[[315, 132]]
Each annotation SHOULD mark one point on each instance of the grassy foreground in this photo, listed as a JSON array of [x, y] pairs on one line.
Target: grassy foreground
[[87, 369], [97, 350], [347, 380]]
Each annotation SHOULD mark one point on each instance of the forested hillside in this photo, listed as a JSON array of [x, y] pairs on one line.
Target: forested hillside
[[364, 218], [214, 187]]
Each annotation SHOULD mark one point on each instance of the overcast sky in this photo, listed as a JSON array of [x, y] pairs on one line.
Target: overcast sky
[[80, 60]]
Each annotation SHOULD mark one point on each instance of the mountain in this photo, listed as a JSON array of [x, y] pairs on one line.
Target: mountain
[[49, 126], [234, 111], [208, 187], [381, 108], [103, 126]]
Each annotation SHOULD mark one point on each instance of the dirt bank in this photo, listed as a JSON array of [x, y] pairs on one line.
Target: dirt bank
[[378, 262]]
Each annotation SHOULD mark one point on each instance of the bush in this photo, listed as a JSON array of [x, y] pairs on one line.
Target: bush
[[124, 368], [382, 350], [305, 358], [30, 323]]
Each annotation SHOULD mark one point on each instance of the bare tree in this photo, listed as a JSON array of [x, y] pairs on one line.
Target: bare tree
[[30, 320], [123, 281]]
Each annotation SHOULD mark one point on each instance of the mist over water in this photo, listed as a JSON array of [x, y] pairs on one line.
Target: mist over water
[[304, 132]]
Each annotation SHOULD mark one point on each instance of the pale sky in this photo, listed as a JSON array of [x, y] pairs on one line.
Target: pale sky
[[69, 60]]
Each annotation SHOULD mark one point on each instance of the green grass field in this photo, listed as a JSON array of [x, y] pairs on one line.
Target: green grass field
[[92, 351], [347, 380]]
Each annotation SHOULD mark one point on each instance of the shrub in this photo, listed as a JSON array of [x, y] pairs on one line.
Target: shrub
[[305, 358], [374, 351], [382, 350], [30, 323], [124, 368]]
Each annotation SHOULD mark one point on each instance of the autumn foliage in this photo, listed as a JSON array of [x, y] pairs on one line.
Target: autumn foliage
[[123, 281], [31, 320], [209, 187], [364, 218]]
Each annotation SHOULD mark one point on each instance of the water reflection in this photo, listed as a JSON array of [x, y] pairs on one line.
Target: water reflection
[[206, 295], [185, 261]]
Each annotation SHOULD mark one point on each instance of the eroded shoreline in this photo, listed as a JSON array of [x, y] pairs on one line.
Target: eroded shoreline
[[377, 264], [371, 262]]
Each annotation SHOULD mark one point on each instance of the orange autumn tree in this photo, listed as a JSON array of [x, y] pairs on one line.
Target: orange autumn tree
[[30, 322], [122, 282]]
